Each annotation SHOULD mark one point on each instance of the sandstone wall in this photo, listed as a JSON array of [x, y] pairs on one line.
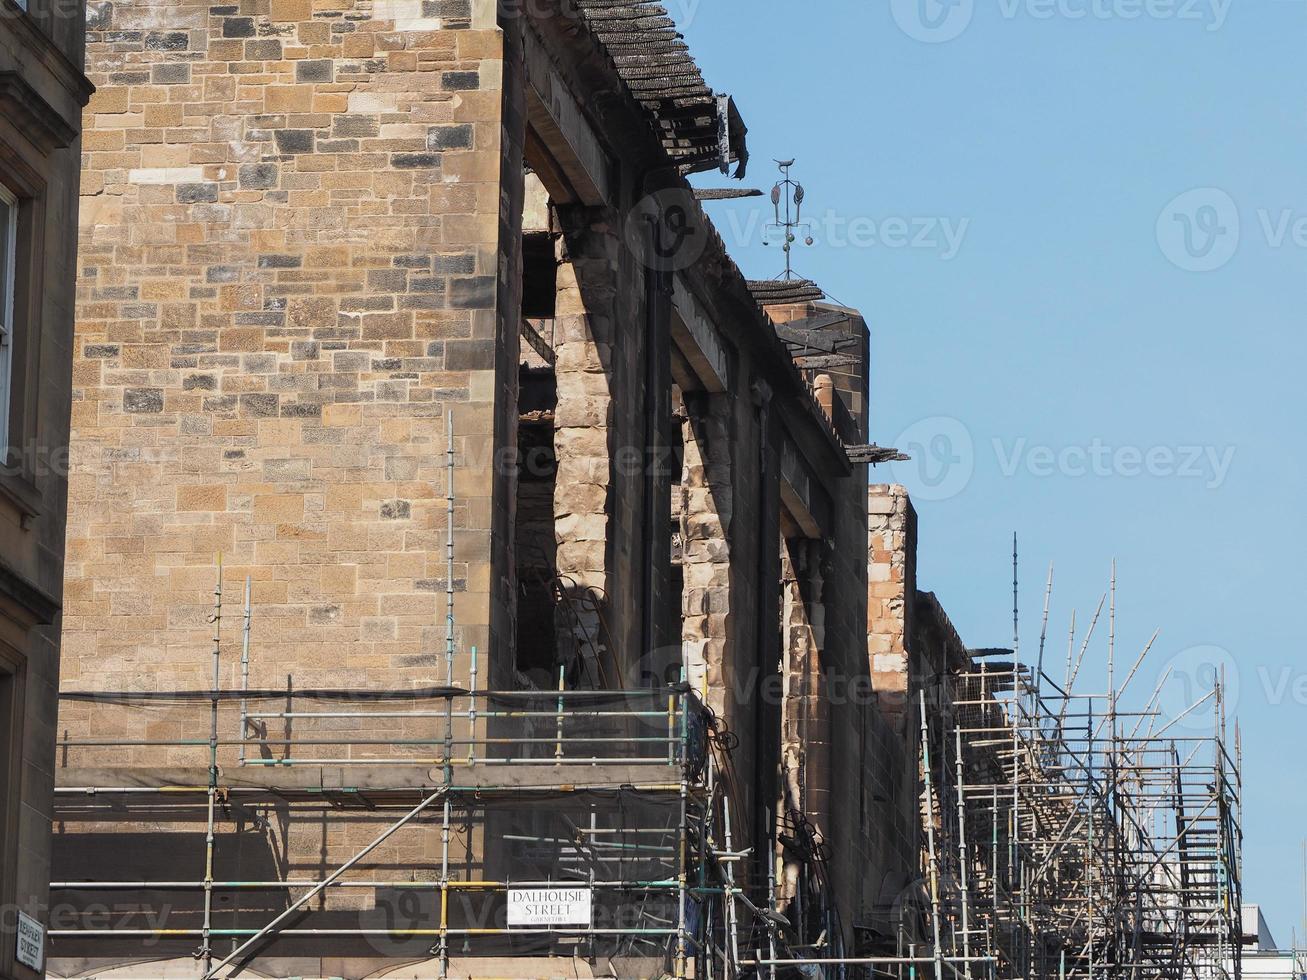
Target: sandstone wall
[[289, 278]]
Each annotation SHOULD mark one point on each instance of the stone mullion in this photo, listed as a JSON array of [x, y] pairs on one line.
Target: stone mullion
[[707, 509], [583, 348]]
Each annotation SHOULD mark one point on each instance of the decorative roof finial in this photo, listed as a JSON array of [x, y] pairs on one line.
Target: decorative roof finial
[[790, 193]]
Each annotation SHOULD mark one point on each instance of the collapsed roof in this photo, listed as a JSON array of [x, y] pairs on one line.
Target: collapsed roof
[[700, 129]]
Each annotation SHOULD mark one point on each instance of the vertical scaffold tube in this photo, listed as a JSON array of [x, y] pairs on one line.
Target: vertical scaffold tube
[[206, 946]]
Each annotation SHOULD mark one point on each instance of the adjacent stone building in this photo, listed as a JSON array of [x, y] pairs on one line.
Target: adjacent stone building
[[405, 313], [42, 91]]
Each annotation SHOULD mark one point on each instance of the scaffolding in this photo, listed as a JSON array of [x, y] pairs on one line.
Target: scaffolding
[[616, 793], [434, 806], [1070, 837], [1062, 835]]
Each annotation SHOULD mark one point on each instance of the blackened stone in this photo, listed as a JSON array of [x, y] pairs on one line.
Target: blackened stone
[[414, 161], [395, 510], [465, 264], [259, 405], [477, 293], [294, 140], [204, 382], [197, 194], [460, 81], [238, 27], [457, 137], [469, 355], [316, 70], [422, 301], [273, 319], [100, 350], [142, 400], [99, 16], [118, 292], [167, 40]]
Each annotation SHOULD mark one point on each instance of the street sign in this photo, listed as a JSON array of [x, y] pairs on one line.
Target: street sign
[[549, 906], [31, 942]]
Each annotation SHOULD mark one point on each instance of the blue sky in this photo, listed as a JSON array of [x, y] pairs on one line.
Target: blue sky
[[1087, 319]]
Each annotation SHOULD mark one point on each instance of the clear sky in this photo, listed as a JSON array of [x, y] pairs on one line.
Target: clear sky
[[1071, 348]]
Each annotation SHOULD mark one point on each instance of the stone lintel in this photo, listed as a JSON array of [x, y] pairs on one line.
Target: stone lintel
[[696, 338], [561, 126]]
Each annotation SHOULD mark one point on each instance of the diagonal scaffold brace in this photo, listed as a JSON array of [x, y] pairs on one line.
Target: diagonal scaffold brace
[[324, 883]]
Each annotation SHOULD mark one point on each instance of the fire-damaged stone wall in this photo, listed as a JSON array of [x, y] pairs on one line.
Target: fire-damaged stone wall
[[913, 647], [303, 255]]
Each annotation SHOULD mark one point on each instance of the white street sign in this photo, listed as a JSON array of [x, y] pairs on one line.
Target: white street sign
[[549, 906], [31, 941]]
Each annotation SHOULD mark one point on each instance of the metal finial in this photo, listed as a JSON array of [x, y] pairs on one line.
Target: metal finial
[[790, 194]]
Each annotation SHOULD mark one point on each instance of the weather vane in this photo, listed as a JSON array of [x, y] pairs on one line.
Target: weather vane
[[789, 193]]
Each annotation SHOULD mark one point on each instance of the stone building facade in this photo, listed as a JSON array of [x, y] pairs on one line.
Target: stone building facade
[[42, 91], [408, 311]]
